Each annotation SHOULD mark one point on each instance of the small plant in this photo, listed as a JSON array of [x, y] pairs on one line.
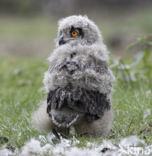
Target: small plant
[[140, 68]]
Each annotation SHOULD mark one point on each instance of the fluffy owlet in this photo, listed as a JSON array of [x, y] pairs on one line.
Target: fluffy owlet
[[78, 82]]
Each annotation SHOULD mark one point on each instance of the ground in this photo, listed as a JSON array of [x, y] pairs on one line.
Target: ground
[[22, 90]]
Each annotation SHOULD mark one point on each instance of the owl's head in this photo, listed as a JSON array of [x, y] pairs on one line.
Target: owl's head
[[77, 30]]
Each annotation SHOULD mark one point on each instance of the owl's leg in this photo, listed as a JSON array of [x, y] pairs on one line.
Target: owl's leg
[[97, 128], [42, 122], [63, 131]]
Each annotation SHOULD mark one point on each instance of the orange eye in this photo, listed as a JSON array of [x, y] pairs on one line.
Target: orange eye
[[74, 33]]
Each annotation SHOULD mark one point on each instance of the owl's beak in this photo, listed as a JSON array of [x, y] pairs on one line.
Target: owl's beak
[[61, 40]]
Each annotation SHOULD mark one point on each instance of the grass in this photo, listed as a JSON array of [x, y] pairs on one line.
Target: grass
[[21, 82], [21, 91]]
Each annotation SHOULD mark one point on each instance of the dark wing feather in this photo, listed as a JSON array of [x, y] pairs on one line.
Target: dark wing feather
[[92, 103]]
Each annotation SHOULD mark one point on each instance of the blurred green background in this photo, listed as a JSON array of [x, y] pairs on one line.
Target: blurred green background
[[28, 28]]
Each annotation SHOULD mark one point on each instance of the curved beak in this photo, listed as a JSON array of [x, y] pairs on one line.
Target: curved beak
[[61, 40]]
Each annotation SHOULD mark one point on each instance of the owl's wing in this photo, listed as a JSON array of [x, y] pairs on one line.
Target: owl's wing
[[91, 103]]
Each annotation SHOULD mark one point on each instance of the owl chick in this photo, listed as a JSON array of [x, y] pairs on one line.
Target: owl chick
[[78, 82]]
